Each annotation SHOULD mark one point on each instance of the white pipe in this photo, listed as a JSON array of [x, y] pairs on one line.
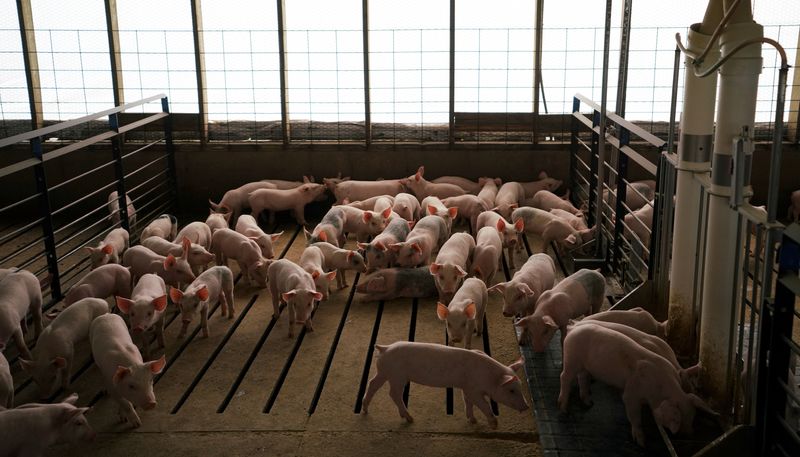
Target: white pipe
[[738, 85], [694, 156]]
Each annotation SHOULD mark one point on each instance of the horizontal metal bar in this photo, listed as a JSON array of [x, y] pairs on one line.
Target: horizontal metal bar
[[146, 146], [19, 231], [20, 202], [76, 234], [632, 128], [793, 347], [90, 213], [158, 211], [790, 392], [20, 250], [640, 159], [791, 281], [82, 175], [154, 161], [141, 122], [19, 166], [82, 199], [155, 199], [84, 262], [32, 260], [148, 191], [72, 147]]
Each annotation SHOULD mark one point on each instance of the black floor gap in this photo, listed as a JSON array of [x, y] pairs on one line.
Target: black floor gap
[[412, 330], [362, 387]]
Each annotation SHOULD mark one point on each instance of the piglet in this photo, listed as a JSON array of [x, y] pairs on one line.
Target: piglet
[[247, 226], [197, 232], [110, 249], [312, 260], [407, 206], [509, 197], [30, 429], [350, 191], [273, 200], [794, 208], [640, 223], [146, 309], [290, 284], [391, 283], [6, 384], [330, 229], [227, 244], [364, 223], [102, 282], [547, 200], [55, 349], [637, 318], [578, 294], [341, 260], [644, 377], [475, 373], [235, 200], [216, 221], [128, 379], [469, 207], [509, 232], [487, 254], [423, 188], [450, 266], [433, 206], [544, 183], [377, 203], [470, 187], [114, 211], [520, 294], [213, 286], [20, 294], [164, 226], [464, 313], [377, 253], [174, 270], [427, 235], [197, 256], [550, 227], [489, 189]]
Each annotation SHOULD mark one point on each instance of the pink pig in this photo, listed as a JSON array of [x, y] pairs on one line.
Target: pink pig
[[350, 191], [20, 294], [235, 200], [197, 255], [637, 318], [164, 226], [312, 260], [544, 183], [521, 293], [146, 309], [364, 223], [274, 200], [794, 208], [487, 254], [227, 244], [469, 207], [509, 197], [6, 384], [470, 187], [509, 233], [247, 226], [475, 373], [427, 235], [110, 249], [433, 206], [547, 200], [341, 260], [212, 286], [377, 253], [464, 313], [581, 293], [450, 266], [391, 283], [489, 189], [173, 270], [216, 221], [407, 206], [330, 229], [550, 227], [377, 203], [114, 211], [102, 282], [290, 284], [30, 429], [423, 188], [197, 232], [640, 224]]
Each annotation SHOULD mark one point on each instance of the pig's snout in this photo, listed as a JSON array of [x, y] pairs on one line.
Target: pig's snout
[[507, 313], [455, 340], [186, 321], [138, 329], [149, 405]]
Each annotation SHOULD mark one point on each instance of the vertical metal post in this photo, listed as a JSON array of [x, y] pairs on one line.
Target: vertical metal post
[[119, 171], [537, 64], [47, 221], [173, 172], [284, 73], [622, 192], [573, 150], [114, 53], [594, 202], [793, 126], [451, 131], [601, 147], [200, 70], [31, 62], [624, 47], [367, 105]]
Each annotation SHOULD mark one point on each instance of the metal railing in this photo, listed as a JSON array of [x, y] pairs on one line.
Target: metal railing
[[66, 187]]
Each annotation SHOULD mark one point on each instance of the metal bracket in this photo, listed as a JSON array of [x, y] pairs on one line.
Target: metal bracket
[[742, 160]]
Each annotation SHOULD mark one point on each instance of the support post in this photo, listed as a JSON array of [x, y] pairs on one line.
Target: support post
[[47, 221], [537, 65], [31, 62], [622, 192], [119, 172], [200, 70], [173, 171], [451, 130], [793, 126], [284, 73], [367, 105], [112, 29], [624, 47], [601, 145]]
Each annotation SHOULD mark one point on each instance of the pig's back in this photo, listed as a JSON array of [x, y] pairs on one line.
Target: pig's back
[[593, 282], [429, 364], [111, 343]]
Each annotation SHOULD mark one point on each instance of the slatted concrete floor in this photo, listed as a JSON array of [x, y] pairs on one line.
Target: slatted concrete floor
[[249, 389]]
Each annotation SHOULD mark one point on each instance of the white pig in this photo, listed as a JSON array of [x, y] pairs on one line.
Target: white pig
[[341, 260], [128, 379], [423, 188], [640, 224], [102, 282], [227, 244], [489, 188], [235, 200], [391, 283], [451, 264], [470, 187], [30, 429], [290, 284], [6, 384], [475, 373], [377, 203], [509, 197], [212, 286], [407, 206], [469, 208], [146, 309], [377, 253], [274, 200], [547, 200], [216, 221], [350, 191], [637, 318], [110, 249], [487, 254], [508, 232], [521, 293], [550, 227], [197, 232], [247, 226], [197, 257], [113, 209], [544, 183], [330, 229], [427, 235], [164, 226], [312, 260], [20, 294], [464, 313], [364, 223], [174, 270], [433, 206], [54, 352]]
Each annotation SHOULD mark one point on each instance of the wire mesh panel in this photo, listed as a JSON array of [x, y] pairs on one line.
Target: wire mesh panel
[[13, 87]]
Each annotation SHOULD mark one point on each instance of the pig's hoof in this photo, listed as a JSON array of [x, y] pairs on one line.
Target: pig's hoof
[[472, 420], [205, 334], [493, 423], [409, 419]]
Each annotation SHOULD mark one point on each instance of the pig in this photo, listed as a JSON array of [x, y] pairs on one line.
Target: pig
[[644, 377], [423, 188], [6, 384], [286, 185], [274, 200], [350, 191], [637, 318], [330, 229], [639, 224], [433, 206], [509, 232], [475, 373], [487, 254], [20, 294], [377, 203], [197, 232], [547, 200], [575, 221], [102, 282], [509, 197], [464, 313], [216, 221], [520, 294], [128, 379], [793, 214], [451, 264], [164, 226], [377, 253], [114, 211], [341, 260], [54, 352], [290, 284], [146, 309], [581, 293], [637, 195], [427, 235], [236, 200], [174, 270], [391, 283], [213, 286], [110, 249], [227, 244], [544, 183], [489, 189], [247, 226], [364, 223], [30, 429], [197, 257], [689, 376], [469, 207], [550, 227], [407, 206], [470, 187], [312, 260]]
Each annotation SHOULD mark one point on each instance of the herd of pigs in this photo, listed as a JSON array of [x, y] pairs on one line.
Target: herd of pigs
[[406, 248]]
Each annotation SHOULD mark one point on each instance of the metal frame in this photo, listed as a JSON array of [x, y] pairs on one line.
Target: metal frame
[[114, 53], [28, 37], [200, 69], [284, 73], [537, 63], [365, 52], [451, 130]]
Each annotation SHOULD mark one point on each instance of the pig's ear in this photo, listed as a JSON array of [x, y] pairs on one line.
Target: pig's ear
[[694, 370], [416, 247], [471, 311], [307, 180], [380, 246], [453, 212], [519, 226], [498, 181], [323, 235], [175, 294], [120, 374], [317, 296], [27, 365], [331, 275], [124, 304], [187, 245], [513, 206], [478, 273], [508, 379], [288, 296], [460, 271], [363, 246], [386, 213], [434, 268], [89, 249], [227, 216], [350, 254], [549, 322], [157, 365], [431, 210], [170, 262], [274, 236], [571, 239], [501, 225], [701, 405], [72, 399], [376, 284], [366, 216], [160, 303], [519, 363], [442, 311], [411, 224], [396, 247], [499, 287], [107, 249], [542, 175], [315, 274], [525, 289], [420, 172], [59, 362]]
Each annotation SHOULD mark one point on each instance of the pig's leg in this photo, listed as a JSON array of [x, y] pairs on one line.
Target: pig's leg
[[36, 305], [567, 377], [340, 279], [468, 338], [204, 321], [160, 332], [21, 346], [468, 410], [129, 413], [510, 255], [273, 289], [584, 389], [271, 218], [299, 214], [396, 394], [291, 319], [374, 384], [479, 401], [228, 293], [633, 408], [144, 340]]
